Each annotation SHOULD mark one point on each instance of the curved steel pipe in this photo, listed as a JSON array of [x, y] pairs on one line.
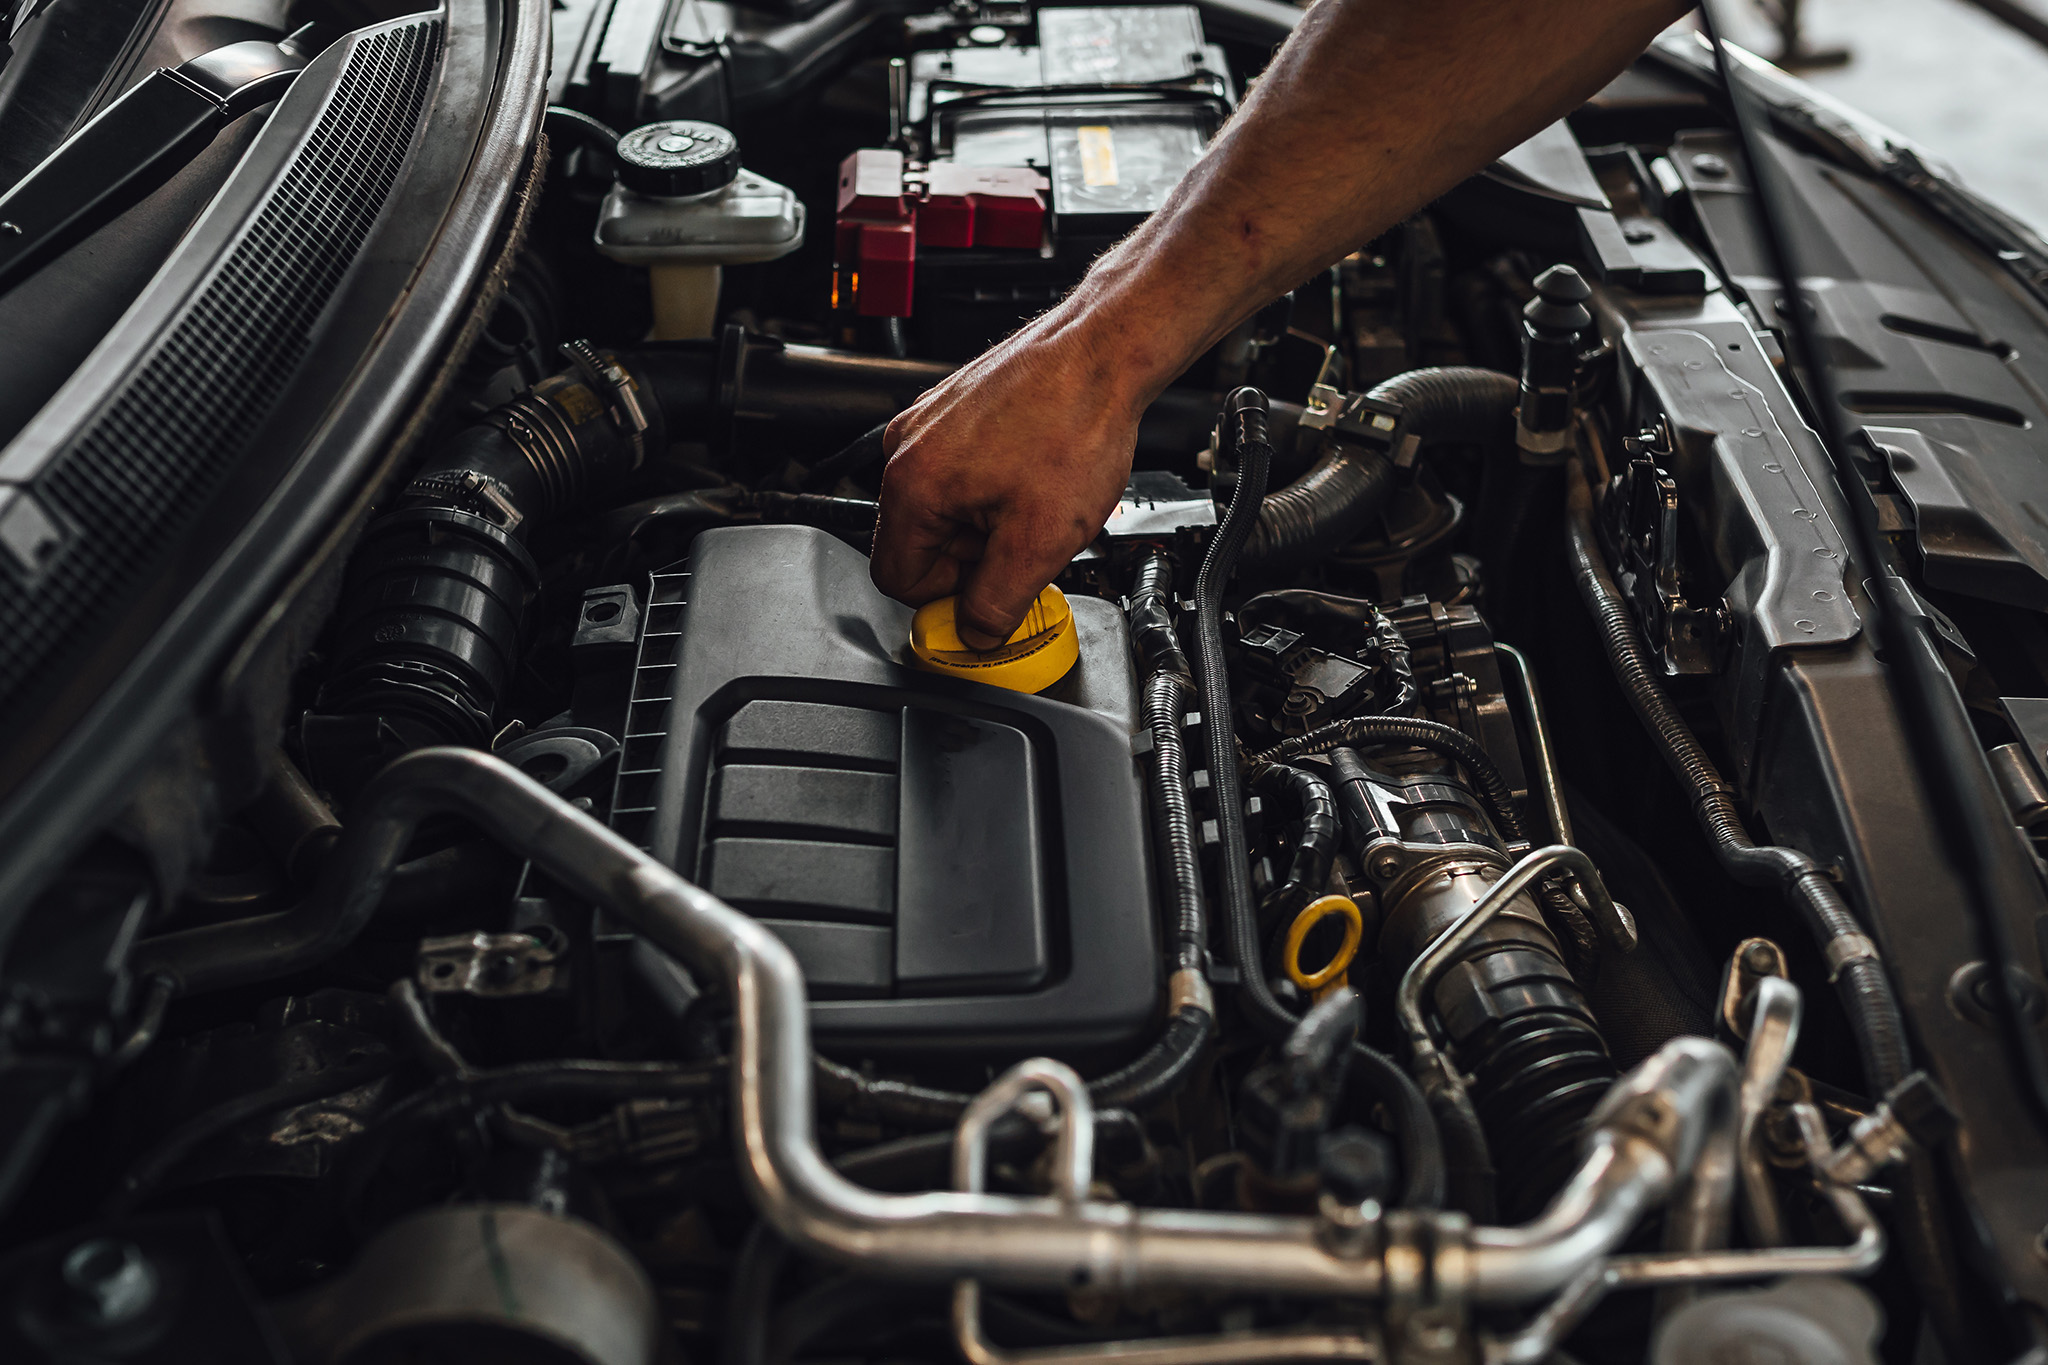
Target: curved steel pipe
[[1773, 1033], [1631, 1163], [1424, 972]]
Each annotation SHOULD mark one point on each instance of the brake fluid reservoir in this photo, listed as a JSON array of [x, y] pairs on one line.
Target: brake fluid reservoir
[[684, 207]]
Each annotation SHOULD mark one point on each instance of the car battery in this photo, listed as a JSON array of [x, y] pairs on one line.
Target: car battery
[[1114, 104], [1089, 129]]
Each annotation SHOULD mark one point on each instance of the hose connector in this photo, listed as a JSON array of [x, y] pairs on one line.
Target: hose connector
[[1551, 326]]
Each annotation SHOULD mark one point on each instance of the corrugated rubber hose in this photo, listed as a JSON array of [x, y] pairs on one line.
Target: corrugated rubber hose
[[1328, 506], [1860, 980]]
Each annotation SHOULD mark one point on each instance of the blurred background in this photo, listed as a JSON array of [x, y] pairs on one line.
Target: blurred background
[[1968, 86]]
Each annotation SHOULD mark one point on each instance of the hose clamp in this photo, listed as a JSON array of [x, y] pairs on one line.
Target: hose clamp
[[607, 376], [1844, 949], [1189, 989], [1426, 1265]]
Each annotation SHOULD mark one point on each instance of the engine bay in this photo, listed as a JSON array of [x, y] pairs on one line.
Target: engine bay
[[1472, 898]]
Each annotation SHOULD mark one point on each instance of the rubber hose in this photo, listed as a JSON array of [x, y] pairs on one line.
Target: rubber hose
[[1415, 1129], [1865, 990], [1309, 870], [924, 1161], [1446, 740], [1861, 984], [1328, 506], [1245, 428], [161, 1160], [1168, 682], [1469, 1177], [1156, 1072], [750, 1296]]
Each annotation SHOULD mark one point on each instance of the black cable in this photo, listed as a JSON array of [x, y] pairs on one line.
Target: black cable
[[144, 1176], [750, 1299], [1156, 1072], [864, 451], [924, 1161], [1861, 984], [1865, 990], [459, 1097], [587, 131], [1445, 740], [1244, 429], [1316, 848], [432, 1048], [149, 1022], [1168, 688], [1381, 632]]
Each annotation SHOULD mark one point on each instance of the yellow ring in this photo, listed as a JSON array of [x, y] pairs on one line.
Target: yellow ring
[[1312, 914]]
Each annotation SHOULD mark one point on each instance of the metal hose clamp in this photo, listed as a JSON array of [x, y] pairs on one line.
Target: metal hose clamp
[[606, 376]]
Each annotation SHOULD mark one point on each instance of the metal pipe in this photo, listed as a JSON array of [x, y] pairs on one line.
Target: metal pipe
[[1631, 1164], [1026, 1241], [1228, 1348], [1073, 1152], [1549, 783], [1424, 972], [1773, 1033], [1536, 1339]]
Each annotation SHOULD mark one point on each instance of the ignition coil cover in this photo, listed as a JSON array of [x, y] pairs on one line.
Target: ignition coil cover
[[1039, 653]]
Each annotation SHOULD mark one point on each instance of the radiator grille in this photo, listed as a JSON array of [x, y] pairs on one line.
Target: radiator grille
[[141, 474]]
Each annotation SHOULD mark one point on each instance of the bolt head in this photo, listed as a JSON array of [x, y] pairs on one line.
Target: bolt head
[[110, 1279], [1386, 866]]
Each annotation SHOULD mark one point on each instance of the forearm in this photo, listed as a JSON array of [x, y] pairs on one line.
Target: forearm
[[1372, 110]]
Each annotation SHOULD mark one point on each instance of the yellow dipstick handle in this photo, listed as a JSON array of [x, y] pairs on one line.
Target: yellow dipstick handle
[[1040, 652], [1312, 914]]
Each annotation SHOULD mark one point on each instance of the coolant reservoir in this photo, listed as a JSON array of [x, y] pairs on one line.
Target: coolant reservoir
[[684, 208]]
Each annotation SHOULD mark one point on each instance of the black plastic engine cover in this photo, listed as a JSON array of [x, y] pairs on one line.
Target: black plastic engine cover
[[955, 866]]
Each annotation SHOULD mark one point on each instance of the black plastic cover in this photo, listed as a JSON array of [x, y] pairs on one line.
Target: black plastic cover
[[955, 866]]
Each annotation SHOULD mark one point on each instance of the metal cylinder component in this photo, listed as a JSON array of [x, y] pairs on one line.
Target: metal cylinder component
[[110, 1280], [289, 816], [483, 1282], [1514, 1017], [2019, 780], [1551, 324]]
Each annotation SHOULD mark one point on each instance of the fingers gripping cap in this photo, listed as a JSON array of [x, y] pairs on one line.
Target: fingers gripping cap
[[1037, 655]]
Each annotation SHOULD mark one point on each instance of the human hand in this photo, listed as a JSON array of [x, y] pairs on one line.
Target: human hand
[[1003, 473]]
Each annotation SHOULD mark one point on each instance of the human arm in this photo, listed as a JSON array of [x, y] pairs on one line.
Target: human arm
[[999, 475]]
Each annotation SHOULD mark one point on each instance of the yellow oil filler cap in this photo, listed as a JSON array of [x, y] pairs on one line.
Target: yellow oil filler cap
[[1038, 655]]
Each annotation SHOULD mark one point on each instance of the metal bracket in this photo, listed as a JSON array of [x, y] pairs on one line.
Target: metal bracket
[[486, 965]]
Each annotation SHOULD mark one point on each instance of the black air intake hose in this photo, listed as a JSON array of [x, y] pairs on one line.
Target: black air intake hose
[[427, 635], [1328, 506]]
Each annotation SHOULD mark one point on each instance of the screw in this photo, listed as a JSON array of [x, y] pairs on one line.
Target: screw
[[1759, 958], [1386, 866], [110, 1280]]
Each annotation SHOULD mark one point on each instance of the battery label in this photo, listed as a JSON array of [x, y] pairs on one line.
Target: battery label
[[1098, 155]]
